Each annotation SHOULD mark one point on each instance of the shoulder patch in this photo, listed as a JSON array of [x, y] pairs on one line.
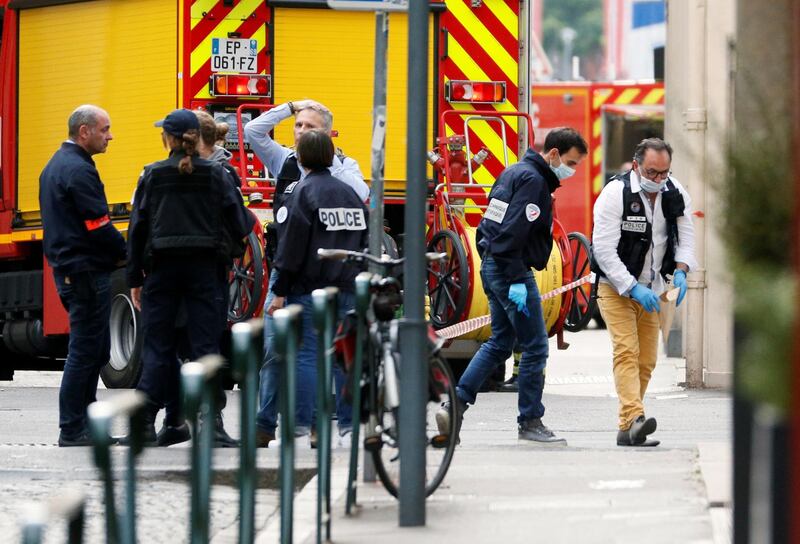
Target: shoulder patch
[[636, 207], [532, 212], [496, 211], [290, 188], [282, 214]]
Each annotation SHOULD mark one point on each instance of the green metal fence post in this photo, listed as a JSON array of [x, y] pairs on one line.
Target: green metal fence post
[[101, 416], [199, 380], [362, 305], [325, 303], [247, 346], [288, 327], [69, 505]]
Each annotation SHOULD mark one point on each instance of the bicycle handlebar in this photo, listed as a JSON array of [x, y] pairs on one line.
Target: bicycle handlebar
[[360, 256]]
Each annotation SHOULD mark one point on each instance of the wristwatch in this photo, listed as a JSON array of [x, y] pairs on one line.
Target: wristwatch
[[291, 107]]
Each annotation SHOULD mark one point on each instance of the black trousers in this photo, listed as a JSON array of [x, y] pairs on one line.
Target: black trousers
[[173, 283]]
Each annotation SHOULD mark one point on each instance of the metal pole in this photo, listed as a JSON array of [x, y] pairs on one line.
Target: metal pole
[[378, 135], [362, 305], [287, 323], [413, 347]]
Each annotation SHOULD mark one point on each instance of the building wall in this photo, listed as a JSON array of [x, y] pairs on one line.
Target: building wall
[[698, 82]]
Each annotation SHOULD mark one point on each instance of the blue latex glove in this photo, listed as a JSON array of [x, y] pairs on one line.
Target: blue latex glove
[[646, 297], [679, 280], [518, 294]]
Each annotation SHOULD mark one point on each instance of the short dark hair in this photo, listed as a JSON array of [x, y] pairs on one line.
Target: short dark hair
[[564, 139], [315, 150], [656, 144]]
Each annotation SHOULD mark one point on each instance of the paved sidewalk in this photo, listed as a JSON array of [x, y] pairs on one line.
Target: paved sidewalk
[[499, 489]]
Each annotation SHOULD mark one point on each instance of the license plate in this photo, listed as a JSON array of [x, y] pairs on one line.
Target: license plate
[[234, 55]]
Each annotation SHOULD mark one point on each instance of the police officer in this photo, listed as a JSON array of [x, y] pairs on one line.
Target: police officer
[[514, 235], [176, 253], [642, 233], [323, 213], [83, 247], [282, 162]]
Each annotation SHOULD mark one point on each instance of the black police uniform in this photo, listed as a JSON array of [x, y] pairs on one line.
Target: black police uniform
[[83, 247], [324, 212], [177, 252]]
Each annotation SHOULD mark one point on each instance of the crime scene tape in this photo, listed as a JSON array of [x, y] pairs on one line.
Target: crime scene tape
[[454, 331]]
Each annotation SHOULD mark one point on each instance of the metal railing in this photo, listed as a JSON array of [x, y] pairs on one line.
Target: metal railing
[[200, 379], [288, 330], [69, 506], [247, 339], [326, 304], [101, 415], [362, 307]]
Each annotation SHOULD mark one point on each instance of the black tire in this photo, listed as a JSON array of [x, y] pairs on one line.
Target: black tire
[[440, 447], [448, 280], [246, 282], [582, 307], [125, 364]]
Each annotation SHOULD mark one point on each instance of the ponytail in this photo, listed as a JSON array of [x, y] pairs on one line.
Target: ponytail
[[189, 145]]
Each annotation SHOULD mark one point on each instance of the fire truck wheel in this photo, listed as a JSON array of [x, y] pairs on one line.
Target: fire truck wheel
[[125, 365], [246, 282], [447, 280], [583, 304]]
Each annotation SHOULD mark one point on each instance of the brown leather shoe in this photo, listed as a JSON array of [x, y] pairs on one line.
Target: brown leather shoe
[[263, 438]]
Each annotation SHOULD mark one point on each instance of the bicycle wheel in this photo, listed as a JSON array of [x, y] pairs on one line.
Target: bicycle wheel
[[448, 281], [440, 447], [584, 297]]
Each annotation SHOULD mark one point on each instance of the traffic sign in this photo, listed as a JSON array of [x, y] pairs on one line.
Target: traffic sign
[[369, 5]]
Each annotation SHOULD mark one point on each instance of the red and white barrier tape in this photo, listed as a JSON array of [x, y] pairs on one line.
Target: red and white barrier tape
[[459, 329]]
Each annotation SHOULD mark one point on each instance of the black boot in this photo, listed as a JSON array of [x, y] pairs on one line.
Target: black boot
[[221, 438], [510, 385], [173, 434], [149, 434]]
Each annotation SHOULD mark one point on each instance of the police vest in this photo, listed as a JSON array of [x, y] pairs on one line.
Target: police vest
[[637, 232], [290, 172], [186, 208]]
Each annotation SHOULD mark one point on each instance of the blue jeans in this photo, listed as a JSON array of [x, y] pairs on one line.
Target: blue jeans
[[87, 298], [306, 392], [510, 327]]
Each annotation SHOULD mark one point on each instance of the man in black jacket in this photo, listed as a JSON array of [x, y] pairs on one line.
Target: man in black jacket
[[515, 234], [83, 247]]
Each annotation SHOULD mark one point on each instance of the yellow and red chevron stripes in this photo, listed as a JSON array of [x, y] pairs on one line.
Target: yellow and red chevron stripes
[[213, 19], [644, 94], [482, 44]]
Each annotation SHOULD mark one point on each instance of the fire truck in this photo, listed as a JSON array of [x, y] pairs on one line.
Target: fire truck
[[138, 59], [613, 117]]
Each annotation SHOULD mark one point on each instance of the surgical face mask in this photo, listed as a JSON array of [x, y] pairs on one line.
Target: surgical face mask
[[562, 171], [651, 186]]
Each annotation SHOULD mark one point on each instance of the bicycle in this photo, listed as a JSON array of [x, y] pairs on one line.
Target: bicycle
[[380, 380]]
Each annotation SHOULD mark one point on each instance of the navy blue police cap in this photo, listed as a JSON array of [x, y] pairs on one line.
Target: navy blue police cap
[[178, 122]]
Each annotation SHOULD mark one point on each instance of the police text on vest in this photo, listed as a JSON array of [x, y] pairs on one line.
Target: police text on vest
[[342, 218]]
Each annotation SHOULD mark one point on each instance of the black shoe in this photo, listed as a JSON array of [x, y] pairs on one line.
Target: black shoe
[[511, 385], [535, 431], [624, 439], [169, 435], [443, 418], [221, 438], [637, 434], [82, 439], [640, 428], [149, 438]]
